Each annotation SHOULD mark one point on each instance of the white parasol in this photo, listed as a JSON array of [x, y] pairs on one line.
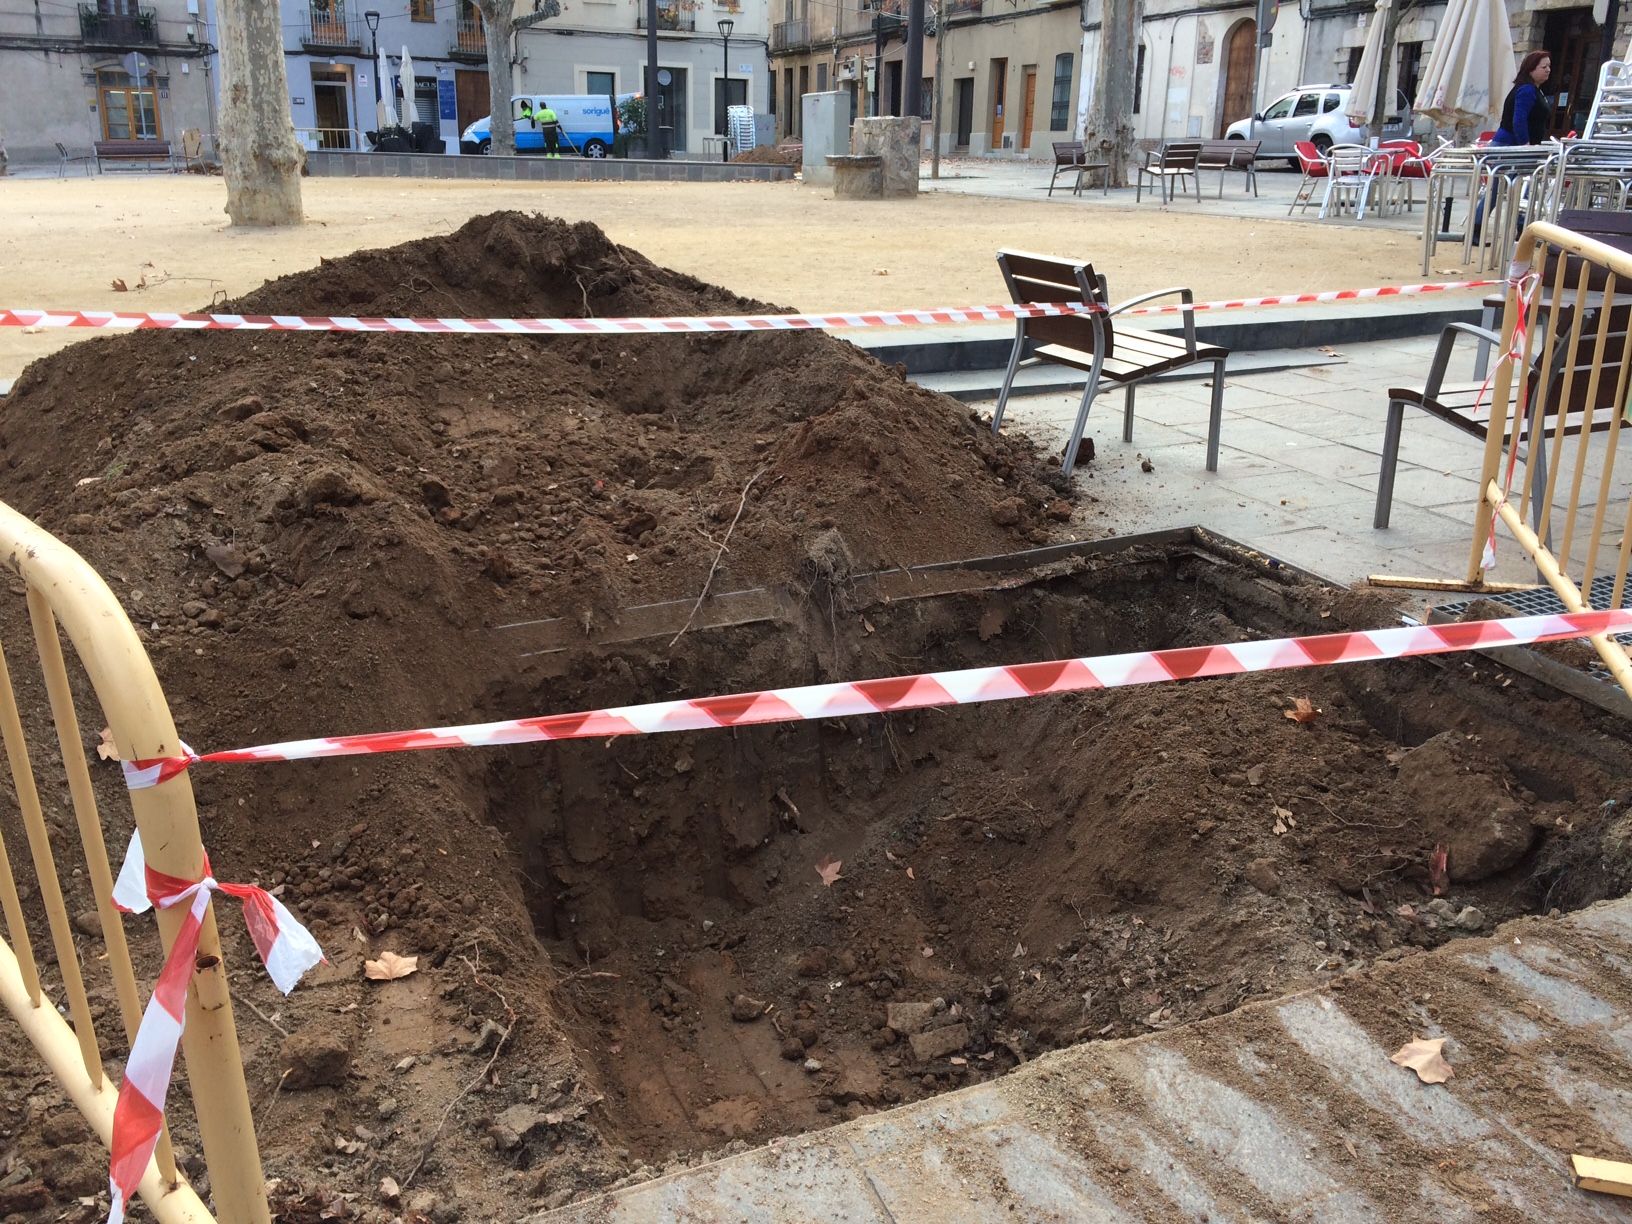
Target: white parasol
[[387, 107], [406, 78], [1471, 67], [1368, 76]]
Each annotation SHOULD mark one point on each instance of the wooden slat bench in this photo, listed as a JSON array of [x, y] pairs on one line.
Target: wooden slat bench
[[1071, 158], [1227, 155], [134, 154], [1467, 405], [1092, 341]]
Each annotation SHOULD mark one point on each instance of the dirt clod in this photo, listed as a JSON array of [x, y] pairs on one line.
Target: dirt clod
[[315, 1057]]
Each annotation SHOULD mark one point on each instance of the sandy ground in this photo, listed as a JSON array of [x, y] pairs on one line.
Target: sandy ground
[[65, 241]]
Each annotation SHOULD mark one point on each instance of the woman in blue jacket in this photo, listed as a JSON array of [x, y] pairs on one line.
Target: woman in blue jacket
[[1526, 115]]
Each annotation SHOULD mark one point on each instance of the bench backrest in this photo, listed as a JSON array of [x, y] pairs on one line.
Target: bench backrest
[[1181, 155], [1229, 154], [1048, 278], [1067, 152], [1570, 389], [133, 148]]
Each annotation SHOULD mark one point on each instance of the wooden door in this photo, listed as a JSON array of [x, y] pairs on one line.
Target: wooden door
[[1000, 86], [470, 96], [1239, 56], [1028, 105], [1574, 39]]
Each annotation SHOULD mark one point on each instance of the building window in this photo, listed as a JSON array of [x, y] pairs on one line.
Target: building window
[[770, 101], [128, 113], [1410, 69], [1059, 111], [1354, 64], [1139, 79], [821, 78], [422, 10], [926, 99], [601, 84]]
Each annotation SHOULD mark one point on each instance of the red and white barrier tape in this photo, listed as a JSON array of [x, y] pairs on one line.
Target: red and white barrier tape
[[969, 686], [285, 947], [120, 320]]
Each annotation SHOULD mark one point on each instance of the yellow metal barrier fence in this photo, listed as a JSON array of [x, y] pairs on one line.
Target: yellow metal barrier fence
[[62, 590], [1565, 394]]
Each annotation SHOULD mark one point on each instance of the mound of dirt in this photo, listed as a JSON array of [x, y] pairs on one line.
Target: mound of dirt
[[776, 155], [316, 533]]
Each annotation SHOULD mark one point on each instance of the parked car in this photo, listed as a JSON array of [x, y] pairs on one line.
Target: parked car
[[589, 124], [1315, 113]]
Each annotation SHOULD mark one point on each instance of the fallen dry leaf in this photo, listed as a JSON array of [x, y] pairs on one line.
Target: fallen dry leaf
[[389, 1190], [1302, 711], [910, 876], [105, 748], [119, 286], [1439, 869], [828, 869], [1424, 1056], [928, 951], [389, 967]]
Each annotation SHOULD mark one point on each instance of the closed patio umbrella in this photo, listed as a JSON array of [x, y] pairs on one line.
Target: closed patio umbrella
[[405, 76], [387, 105], [1471, 67], [1369, 76]]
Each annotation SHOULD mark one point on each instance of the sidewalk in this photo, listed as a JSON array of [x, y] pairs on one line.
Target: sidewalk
[[1277, 185], [1298, 466]]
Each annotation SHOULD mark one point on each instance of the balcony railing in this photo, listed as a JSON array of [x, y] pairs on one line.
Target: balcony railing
[[668, 18], [785, 34], [469, 39], [136, 27], [331, 28], [962, 6]]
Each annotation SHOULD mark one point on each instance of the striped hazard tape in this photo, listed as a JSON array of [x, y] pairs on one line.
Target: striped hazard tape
[[124, 320], [969, 686], [286, 948]]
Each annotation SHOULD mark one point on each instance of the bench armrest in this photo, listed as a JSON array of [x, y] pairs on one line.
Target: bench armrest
[[1186, 295], [1442, 352]]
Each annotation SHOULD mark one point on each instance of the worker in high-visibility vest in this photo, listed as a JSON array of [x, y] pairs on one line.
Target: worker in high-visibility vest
[[552, 129]]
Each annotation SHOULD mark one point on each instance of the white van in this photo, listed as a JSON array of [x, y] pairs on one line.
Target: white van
[[589, 124]]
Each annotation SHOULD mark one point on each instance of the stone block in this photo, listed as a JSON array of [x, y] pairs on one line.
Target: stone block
[[908, 1018], [938, 1043]]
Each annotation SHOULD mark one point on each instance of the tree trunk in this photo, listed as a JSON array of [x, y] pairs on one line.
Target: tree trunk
[[1109, 131], [501, 122], [259, 156]]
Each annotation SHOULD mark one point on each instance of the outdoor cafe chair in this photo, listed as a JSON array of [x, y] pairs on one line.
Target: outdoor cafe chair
[[1352, 173], [1315, 171]]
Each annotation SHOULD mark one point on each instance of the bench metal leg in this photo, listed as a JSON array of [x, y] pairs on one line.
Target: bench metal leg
[[1080, 425], [1008, 376], [1215, 418], [1127, 415], [1481, 355], [1391, 460]]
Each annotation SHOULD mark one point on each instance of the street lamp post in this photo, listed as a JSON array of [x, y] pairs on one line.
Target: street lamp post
[[726, 26], [372, 17]]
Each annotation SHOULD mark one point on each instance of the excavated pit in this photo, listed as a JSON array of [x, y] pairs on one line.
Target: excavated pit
[[1021, 876]]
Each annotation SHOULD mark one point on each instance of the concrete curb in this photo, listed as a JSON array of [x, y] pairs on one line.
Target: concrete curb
[[943, 350]]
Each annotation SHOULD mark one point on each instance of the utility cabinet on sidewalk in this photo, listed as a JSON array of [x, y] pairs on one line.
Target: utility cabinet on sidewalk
[[826, 127]]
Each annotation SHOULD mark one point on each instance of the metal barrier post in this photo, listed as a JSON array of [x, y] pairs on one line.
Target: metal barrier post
[[63, 587]]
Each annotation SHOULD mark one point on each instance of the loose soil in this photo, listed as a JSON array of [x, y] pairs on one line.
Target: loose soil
[[628, 954]]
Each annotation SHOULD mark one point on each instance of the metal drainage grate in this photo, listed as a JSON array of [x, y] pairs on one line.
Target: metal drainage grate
[[1543, 602]]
